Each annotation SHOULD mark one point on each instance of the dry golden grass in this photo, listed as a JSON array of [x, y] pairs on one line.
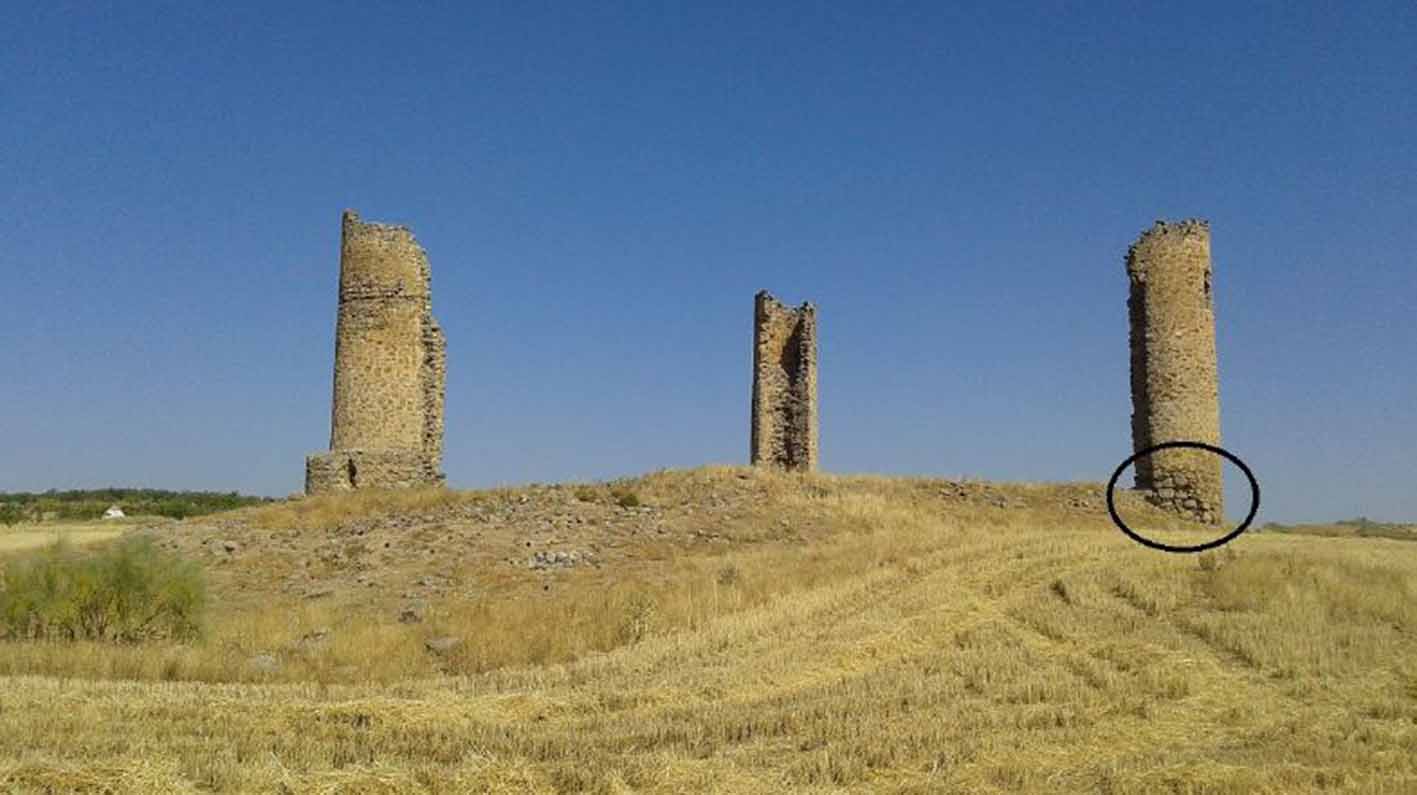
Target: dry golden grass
[[885, 639], [315, 513], [30, 535]]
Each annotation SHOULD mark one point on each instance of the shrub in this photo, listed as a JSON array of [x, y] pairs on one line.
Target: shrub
[[126, 592], [640, 617], [626, 499], [728, 574]]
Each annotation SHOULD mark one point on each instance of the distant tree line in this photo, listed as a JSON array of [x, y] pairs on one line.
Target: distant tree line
[[85, 504]]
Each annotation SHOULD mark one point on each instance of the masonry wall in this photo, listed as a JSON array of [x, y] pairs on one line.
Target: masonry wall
[[1174, 377], [784, 417], [347, 470], [389, 370]]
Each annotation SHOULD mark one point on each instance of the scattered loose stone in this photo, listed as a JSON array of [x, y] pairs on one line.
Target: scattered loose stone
[[546, 559], [442, 645], [313, 639]]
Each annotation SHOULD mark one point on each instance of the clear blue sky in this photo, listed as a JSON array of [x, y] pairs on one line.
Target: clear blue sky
[[601, 188]]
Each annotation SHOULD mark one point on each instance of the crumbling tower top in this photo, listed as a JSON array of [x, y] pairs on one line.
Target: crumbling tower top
[[380, 261]]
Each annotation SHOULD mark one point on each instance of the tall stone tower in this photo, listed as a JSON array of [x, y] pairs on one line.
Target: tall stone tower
[[1175, 385], [387, 419], [784, 433]]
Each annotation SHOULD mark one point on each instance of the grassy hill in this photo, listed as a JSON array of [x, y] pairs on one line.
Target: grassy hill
[[723, 629]]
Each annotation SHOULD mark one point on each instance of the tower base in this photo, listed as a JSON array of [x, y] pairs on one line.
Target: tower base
[[347, 470]]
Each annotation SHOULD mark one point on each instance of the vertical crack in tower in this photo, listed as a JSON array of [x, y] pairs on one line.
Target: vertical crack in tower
[[1174, 378], [784, 421], [386, 419]]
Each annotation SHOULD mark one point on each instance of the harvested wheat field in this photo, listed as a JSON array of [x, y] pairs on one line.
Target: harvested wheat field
[[730, 630], [32, 536]]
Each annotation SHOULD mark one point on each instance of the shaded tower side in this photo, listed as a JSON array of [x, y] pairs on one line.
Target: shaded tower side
[[386, 418], [784, 417], [433, 384], [1174, 376]]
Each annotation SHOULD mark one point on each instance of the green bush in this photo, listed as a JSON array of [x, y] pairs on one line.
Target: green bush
[[126, 592], [626, 498], [10, 513]]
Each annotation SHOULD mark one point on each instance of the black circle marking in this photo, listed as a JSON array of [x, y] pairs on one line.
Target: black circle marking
[[1220, 451]]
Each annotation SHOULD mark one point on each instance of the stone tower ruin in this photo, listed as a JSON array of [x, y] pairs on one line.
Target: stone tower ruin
[[1175, 386], [784, 432], [386, 426]]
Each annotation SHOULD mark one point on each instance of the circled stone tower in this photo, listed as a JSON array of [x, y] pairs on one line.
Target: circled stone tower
[[390, 358], [1175, 382]]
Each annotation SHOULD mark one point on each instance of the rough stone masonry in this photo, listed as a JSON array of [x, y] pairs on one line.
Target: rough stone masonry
[[1175, 386], [386, 425], [784, 432]]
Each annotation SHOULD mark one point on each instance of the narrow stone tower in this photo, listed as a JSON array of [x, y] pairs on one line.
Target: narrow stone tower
[[784, 433], [1175, 385], [387, 418]]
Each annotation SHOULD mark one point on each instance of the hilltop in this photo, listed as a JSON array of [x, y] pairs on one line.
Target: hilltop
[[380, 547], [745, 631]]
